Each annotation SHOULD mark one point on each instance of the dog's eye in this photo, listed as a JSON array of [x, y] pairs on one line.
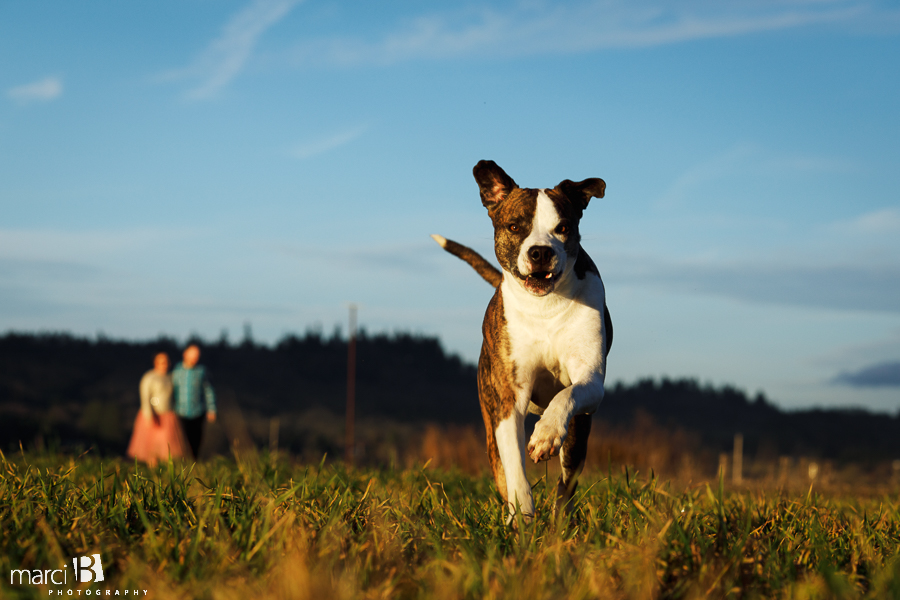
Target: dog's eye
[[562, 229], [513, 227]]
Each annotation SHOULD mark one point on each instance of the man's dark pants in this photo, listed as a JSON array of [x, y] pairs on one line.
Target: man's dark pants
[[193, 431]]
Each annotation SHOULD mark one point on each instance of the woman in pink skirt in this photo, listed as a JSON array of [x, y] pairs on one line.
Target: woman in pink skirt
[[157, 434]]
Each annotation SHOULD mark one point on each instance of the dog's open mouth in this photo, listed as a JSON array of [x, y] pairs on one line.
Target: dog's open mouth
[[540, 283]]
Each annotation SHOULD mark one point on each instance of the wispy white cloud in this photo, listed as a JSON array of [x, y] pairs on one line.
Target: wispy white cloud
[[45, 90], [884, 221], [226, 56], [62, 246], [744, 158], [834, 285], [546, 28], [723, 165], [310, 148], [405, 258]]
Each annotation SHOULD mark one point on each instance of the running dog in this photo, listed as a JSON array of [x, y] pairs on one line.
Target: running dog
[[546, 331]]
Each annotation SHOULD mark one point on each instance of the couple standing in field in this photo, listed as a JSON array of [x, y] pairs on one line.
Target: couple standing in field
[[174, 409]]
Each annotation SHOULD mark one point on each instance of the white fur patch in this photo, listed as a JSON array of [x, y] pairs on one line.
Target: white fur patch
[[543, 233], [563, 334]]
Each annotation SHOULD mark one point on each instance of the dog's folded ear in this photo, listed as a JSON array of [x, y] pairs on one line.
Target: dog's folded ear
[[581, 192], [493, 182]]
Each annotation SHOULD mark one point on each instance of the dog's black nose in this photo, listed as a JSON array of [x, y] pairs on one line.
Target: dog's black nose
[[540, 255]]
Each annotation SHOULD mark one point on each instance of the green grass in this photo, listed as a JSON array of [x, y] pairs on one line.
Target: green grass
[[261, 528]]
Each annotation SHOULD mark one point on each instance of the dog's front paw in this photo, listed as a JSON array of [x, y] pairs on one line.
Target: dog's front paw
[[547, 439]]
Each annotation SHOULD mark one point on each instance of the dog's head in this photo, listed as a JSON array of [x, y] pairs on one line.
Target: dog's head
[[535, 230]]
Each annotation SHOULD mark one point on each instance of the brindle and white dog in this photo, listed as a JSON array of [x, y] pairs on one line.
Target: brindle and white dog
[[546, 331]]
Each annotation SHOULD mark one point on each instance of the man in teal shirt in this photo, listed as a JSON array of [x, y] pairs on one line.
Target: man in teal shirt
[[193, 399]]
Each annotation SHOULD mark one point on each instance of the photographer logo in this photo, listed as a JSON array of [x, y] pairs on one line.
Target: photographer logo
[[86, 569]]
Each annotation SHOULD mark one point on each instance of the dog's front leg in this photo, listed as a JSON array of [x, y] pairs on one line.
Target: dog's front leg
[[582, 397], [510, 436]]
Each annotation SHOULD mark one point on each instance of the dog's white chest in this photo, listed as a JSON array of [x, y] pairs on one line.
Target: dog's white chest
[[557, 336]]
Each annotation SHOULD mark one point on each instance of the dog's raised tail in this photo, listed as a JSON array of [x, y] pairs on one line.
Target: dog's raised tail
[[490, 273]]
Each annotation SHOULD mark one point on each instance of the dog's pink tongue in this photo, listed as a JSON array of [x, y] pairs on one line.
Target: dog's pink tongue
[[538, 287]]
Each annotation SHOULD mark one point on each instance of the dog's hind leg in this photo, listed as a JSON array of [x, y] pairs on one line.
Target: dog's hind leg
[[571, 459]]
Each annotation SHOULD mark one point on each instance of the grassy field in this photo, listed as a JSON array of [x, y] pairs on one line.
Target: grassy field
[[256, 527]]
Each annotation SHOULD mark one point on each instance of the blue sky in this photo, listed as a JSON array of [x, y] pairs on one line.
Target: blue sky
[[188, 167]]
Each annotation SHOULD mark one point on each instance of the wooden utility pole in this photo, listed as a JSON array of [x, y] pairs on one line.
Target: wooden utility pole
[[737, 473], [350, 442]]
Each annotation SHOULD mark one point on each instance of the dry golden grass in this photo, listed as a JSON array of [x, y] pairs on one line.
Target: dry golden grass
[[261, 527]]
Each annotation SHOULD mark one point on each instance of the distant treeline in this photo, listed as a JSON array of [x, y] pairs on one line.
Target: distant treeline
[[77, 390]]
